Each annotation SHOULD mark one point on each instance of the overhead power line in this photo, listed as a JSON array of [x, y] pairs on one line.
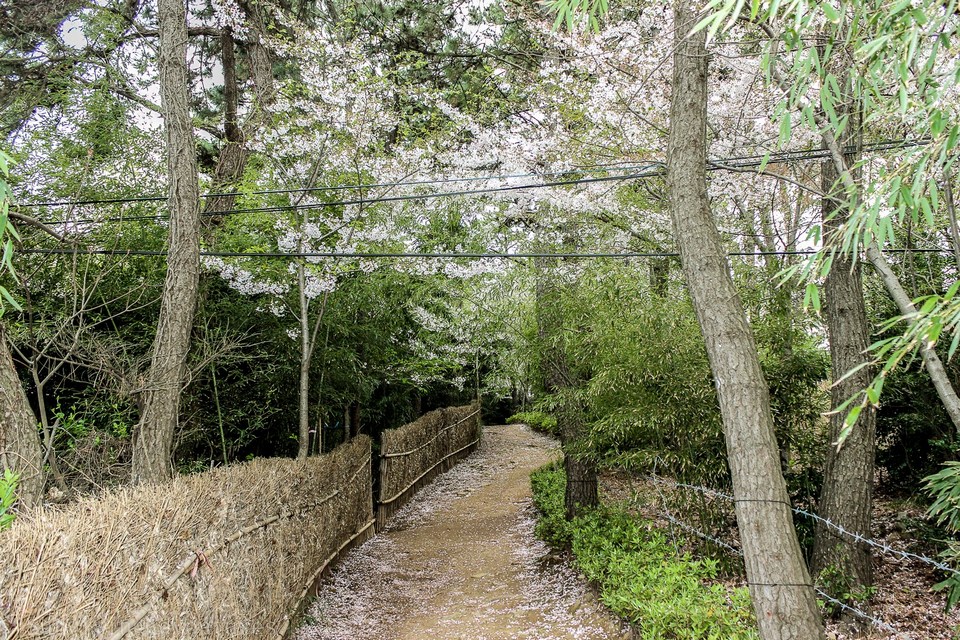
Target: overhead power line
[[642, 171], [425, 255], [653, 169], [375, 200], [619, 166]]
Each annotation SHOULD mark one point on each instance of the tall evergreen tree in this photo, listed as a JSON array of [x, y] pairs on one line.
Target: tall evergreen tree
[[165, 379]]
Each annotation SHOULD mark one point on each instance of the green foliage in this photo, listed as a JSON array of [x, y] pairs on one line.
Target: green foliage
[[92, 418], [639, 573], [569, 12], [649, 392], [89, 321], [536, 420], [944, 488], [8, 234], [547, 485], [650, 397], [8, 488], [798, 401], [906, 71], [837, 583], [914, 432]]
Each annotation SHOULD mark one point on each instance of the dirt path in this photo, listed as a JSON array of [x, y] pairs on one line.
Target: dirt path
[[461, 561]]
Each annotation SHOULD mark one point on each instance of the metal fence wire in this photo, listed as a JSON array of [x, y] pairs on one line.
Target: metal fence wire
[[882, 547]]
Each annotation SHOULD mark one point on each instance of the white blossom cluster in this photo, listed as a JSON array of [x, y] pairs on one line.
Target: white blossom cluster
[[244, 281], [227, 13]]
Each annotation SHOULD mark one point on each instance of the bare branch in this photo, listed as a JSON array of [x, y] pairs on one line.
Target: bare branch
[[771, 174], [33, 222]]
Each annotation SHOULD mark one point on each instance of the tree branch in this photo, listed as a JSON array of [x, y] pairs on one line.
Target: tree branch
[[132, 96], [771, 174], [33, 222]]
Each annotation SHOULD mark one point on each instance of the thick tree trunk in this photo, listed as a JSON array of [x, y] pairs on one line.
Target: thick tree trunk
[[20, 449], [581, 489], [847, 495], [232, 162], [231, 91], [780, 585], [154, 439]]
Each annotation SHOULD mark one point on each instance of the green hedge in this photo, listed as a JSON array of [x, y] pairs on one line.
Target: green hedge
[[639, 573]]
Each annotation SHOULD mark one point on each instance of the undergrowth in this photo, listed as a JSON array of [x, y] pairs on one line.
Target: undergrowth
[[640, 575], [536, 420], [8, 489]]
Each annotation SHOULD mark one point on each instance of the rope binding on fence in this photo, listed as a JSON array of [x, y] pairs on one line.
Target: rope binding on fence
[[196, 559]]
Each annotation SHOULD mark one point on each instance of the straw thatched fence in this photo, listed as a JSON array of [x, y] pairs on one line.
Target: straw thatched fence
[[411, 456], [232, 553]]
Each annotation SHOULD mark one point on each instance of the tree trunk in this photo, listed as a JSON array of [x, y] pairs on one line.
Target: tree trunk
[[847, 495], [232, 161], [152, 448], [306, 353], [557, 378], [952, 215], [308, 343], [355, 428], [20, 449], [783, 596], [659, 276], [231, 92], [581, 489]]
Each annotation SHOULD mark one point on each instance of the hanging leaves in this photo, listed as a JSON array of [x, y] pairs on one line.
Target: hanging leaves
[[8, 234]]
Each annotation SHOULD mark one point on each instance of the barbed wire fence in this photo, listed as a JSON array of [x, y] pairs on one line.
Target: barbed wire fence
[[664, 511]]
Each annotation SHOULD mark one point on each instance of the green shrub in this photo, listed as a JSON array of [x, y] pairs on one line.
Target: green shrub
[[548, 484], [638, 572], [8, 489], [536, 420], [944, 487], [838, 584]]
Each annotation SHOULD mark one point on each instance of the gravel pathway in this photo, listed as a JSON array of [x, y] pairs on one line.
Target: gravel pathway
[[461, 561]]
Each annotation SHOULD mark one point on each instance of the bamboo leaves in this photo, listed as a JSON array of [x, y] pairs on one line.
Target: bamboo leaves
[[8, 234], [569, 12]]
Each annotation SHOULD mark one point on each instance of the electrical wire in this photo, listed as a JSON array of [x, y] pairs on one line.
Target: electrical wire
[[368, 201], [426, 255], [346, 187], [651, 170], [736, 161]]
